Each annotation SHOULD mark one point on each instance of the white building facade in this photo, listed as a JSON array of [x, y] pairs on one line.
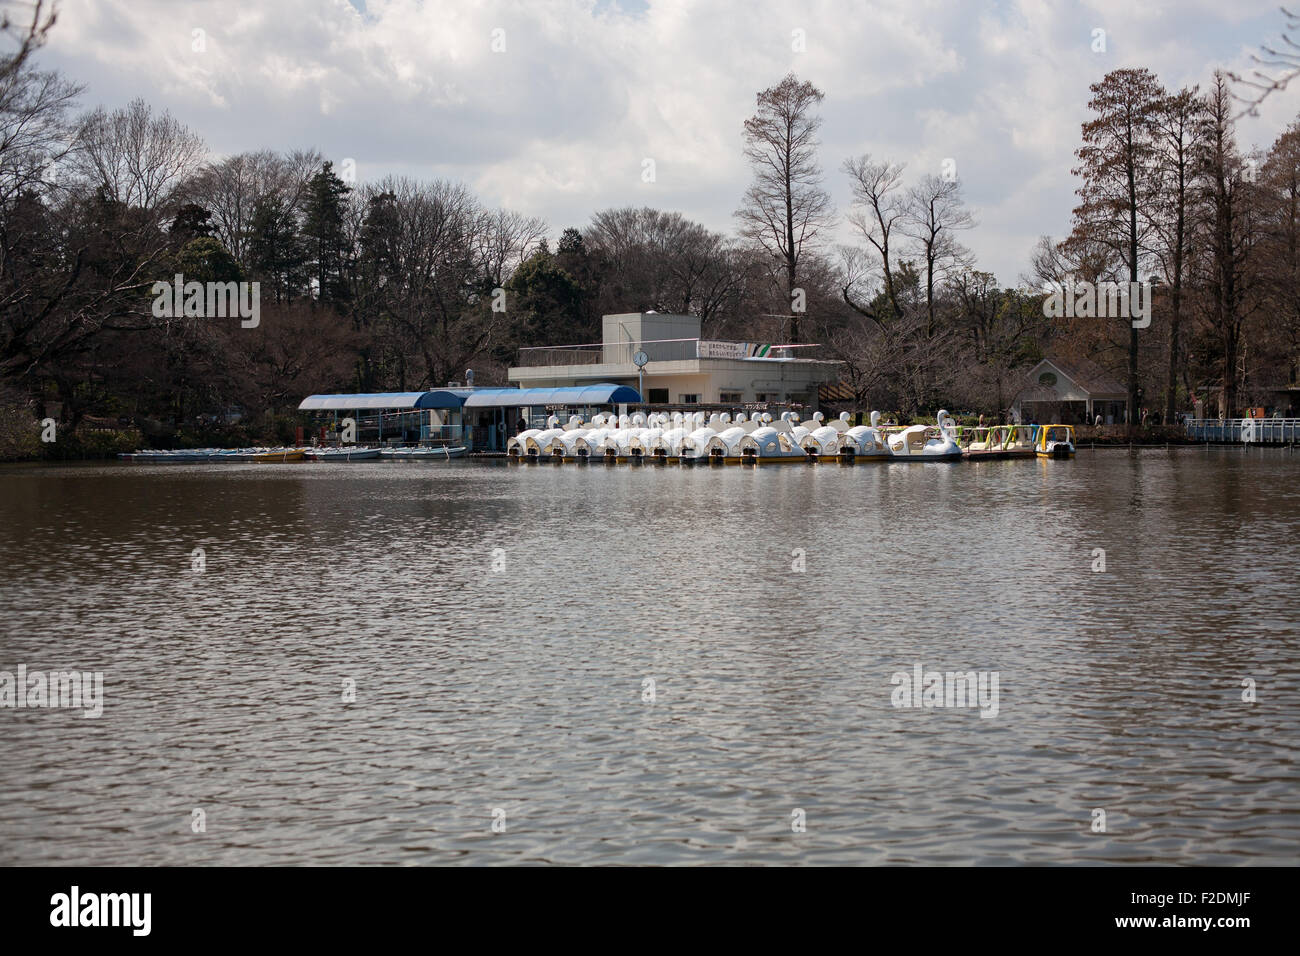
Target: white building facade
[[680, 368]]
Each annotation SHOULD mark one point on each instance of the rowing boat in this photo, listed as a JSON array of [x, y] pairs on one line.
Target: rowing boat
[[439, 453], [342, 454]]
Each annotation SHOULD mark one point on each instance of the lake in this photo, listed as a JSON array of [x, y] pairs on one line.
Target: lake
[[486, 663]]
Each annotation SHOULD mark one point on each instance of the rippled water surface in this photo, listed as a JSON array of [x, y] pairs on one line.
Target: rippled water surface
[[522, 689]]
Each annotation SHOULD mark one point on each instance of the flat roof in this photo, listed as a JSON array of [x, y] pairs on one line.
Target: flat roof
[[398, 401], [601, 394]]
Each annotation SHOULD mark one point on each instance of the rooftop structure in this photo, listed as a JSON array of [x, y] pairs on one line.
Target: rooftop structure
[[680, 367]]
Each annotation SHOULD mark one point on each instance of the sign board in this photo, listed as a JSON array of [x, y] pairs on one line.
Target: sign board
[[731, 350]]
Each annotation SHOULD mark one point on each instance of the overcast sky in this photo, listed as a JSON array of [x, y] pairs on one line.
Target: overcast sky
[[559, 123]]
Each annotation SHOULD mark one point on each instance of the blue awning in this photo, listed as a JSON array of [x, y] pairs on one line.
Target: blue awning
[[580, 395], [397, 401], [445, 398], [605, 394]]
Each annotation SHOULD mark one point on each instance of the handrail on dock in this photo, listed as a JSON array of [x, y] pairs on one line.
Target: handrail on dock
[[1263, 431]]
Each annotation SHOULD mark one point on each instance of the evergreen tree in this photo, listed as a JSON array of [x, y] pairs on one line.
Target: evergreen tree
[[323, 234], [276, 251], [205, 259], [572, 256], [547, 301], [191, 222]]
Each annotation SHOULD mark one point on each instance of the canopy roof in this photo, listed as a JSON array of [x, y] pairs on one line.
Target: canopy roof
[[605, 394], [373, 401]]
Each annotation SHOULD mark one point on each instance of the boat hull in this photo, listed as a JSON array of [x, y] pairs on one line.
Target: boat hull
[[280, 455], [421, 454], [263, 455], [358, 454], [923, 456]]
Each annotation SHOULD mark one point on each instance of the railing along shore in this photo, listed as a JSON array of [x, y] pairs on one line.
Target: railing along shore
[[1263, 431]]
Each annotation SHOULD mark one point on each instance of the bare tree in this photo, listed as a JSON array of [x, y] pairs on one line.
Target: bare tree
[[1279, 180], [1282, 59], [107, 256], [785, 207], [876, 342], [878, 208], [664, 261], [635, 244], [231, 188], [998, 325], [300, 165], [424, 236], [934, 214], [1048, 264], [25, 26], [707, 272], [1170, 216], [1233, 229], [35, 130], [136, 157], [1118, 168], [505, 239]]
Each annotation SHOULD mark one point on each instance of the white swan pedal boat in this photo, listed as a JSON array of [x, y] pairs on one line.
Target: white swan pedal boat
[[927, 442]]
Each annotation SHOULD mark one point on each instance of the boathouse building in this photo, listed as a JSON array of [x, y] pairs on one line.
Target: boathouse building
[[1072, 393], [663, 357], [644, 358]]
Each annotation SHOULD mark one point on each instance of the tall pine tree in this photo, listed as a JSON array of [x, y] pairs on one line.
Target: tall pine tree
[[324, 235]]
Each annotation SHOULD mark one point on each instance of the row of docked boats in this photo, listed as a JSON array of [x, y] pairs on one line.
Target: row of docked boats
[[407, 453], [279, 455], [202, 455], [721, 439], [1017, 441]]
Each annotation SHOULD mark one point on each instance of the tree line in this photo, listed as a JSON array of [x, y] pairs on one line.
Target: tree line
[[1169, 196], [402, 284]]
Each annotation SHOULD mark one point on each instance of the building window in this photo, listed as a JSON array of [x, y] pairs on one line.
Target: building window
[[731, 397], [1048, 379], [689, 399], [658, 396]]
